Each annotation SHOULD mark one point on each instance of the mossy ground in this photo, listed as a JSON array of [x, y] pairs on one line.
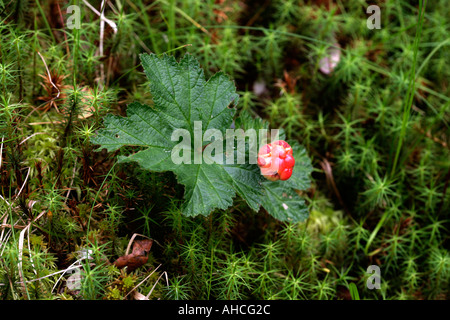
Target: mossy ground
[[376, 129]]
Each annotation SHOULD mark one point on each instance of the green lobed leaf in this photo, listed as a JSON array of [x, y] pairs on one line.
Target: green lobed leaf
[[283, 203], [181, 96]]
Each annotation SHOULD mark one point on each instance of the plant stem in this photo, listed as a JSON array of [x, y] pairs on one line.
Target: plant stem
[[411, 90]]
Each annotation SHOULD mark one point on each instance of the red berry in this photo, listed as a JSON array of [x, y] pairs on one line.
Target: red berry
[[276, 160], [289, 161], [279, 151], [282, 143], [286, 174], [265, 149], [261, 161]]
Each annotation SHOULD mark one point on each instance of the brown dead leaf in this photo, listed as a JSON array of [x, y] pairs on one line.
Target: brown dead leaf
[[138, 257], [141, 247]]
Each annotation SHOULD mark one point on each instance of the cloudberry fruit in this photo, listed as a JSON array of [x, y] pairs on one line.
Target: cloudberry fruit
[[276, 160]]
